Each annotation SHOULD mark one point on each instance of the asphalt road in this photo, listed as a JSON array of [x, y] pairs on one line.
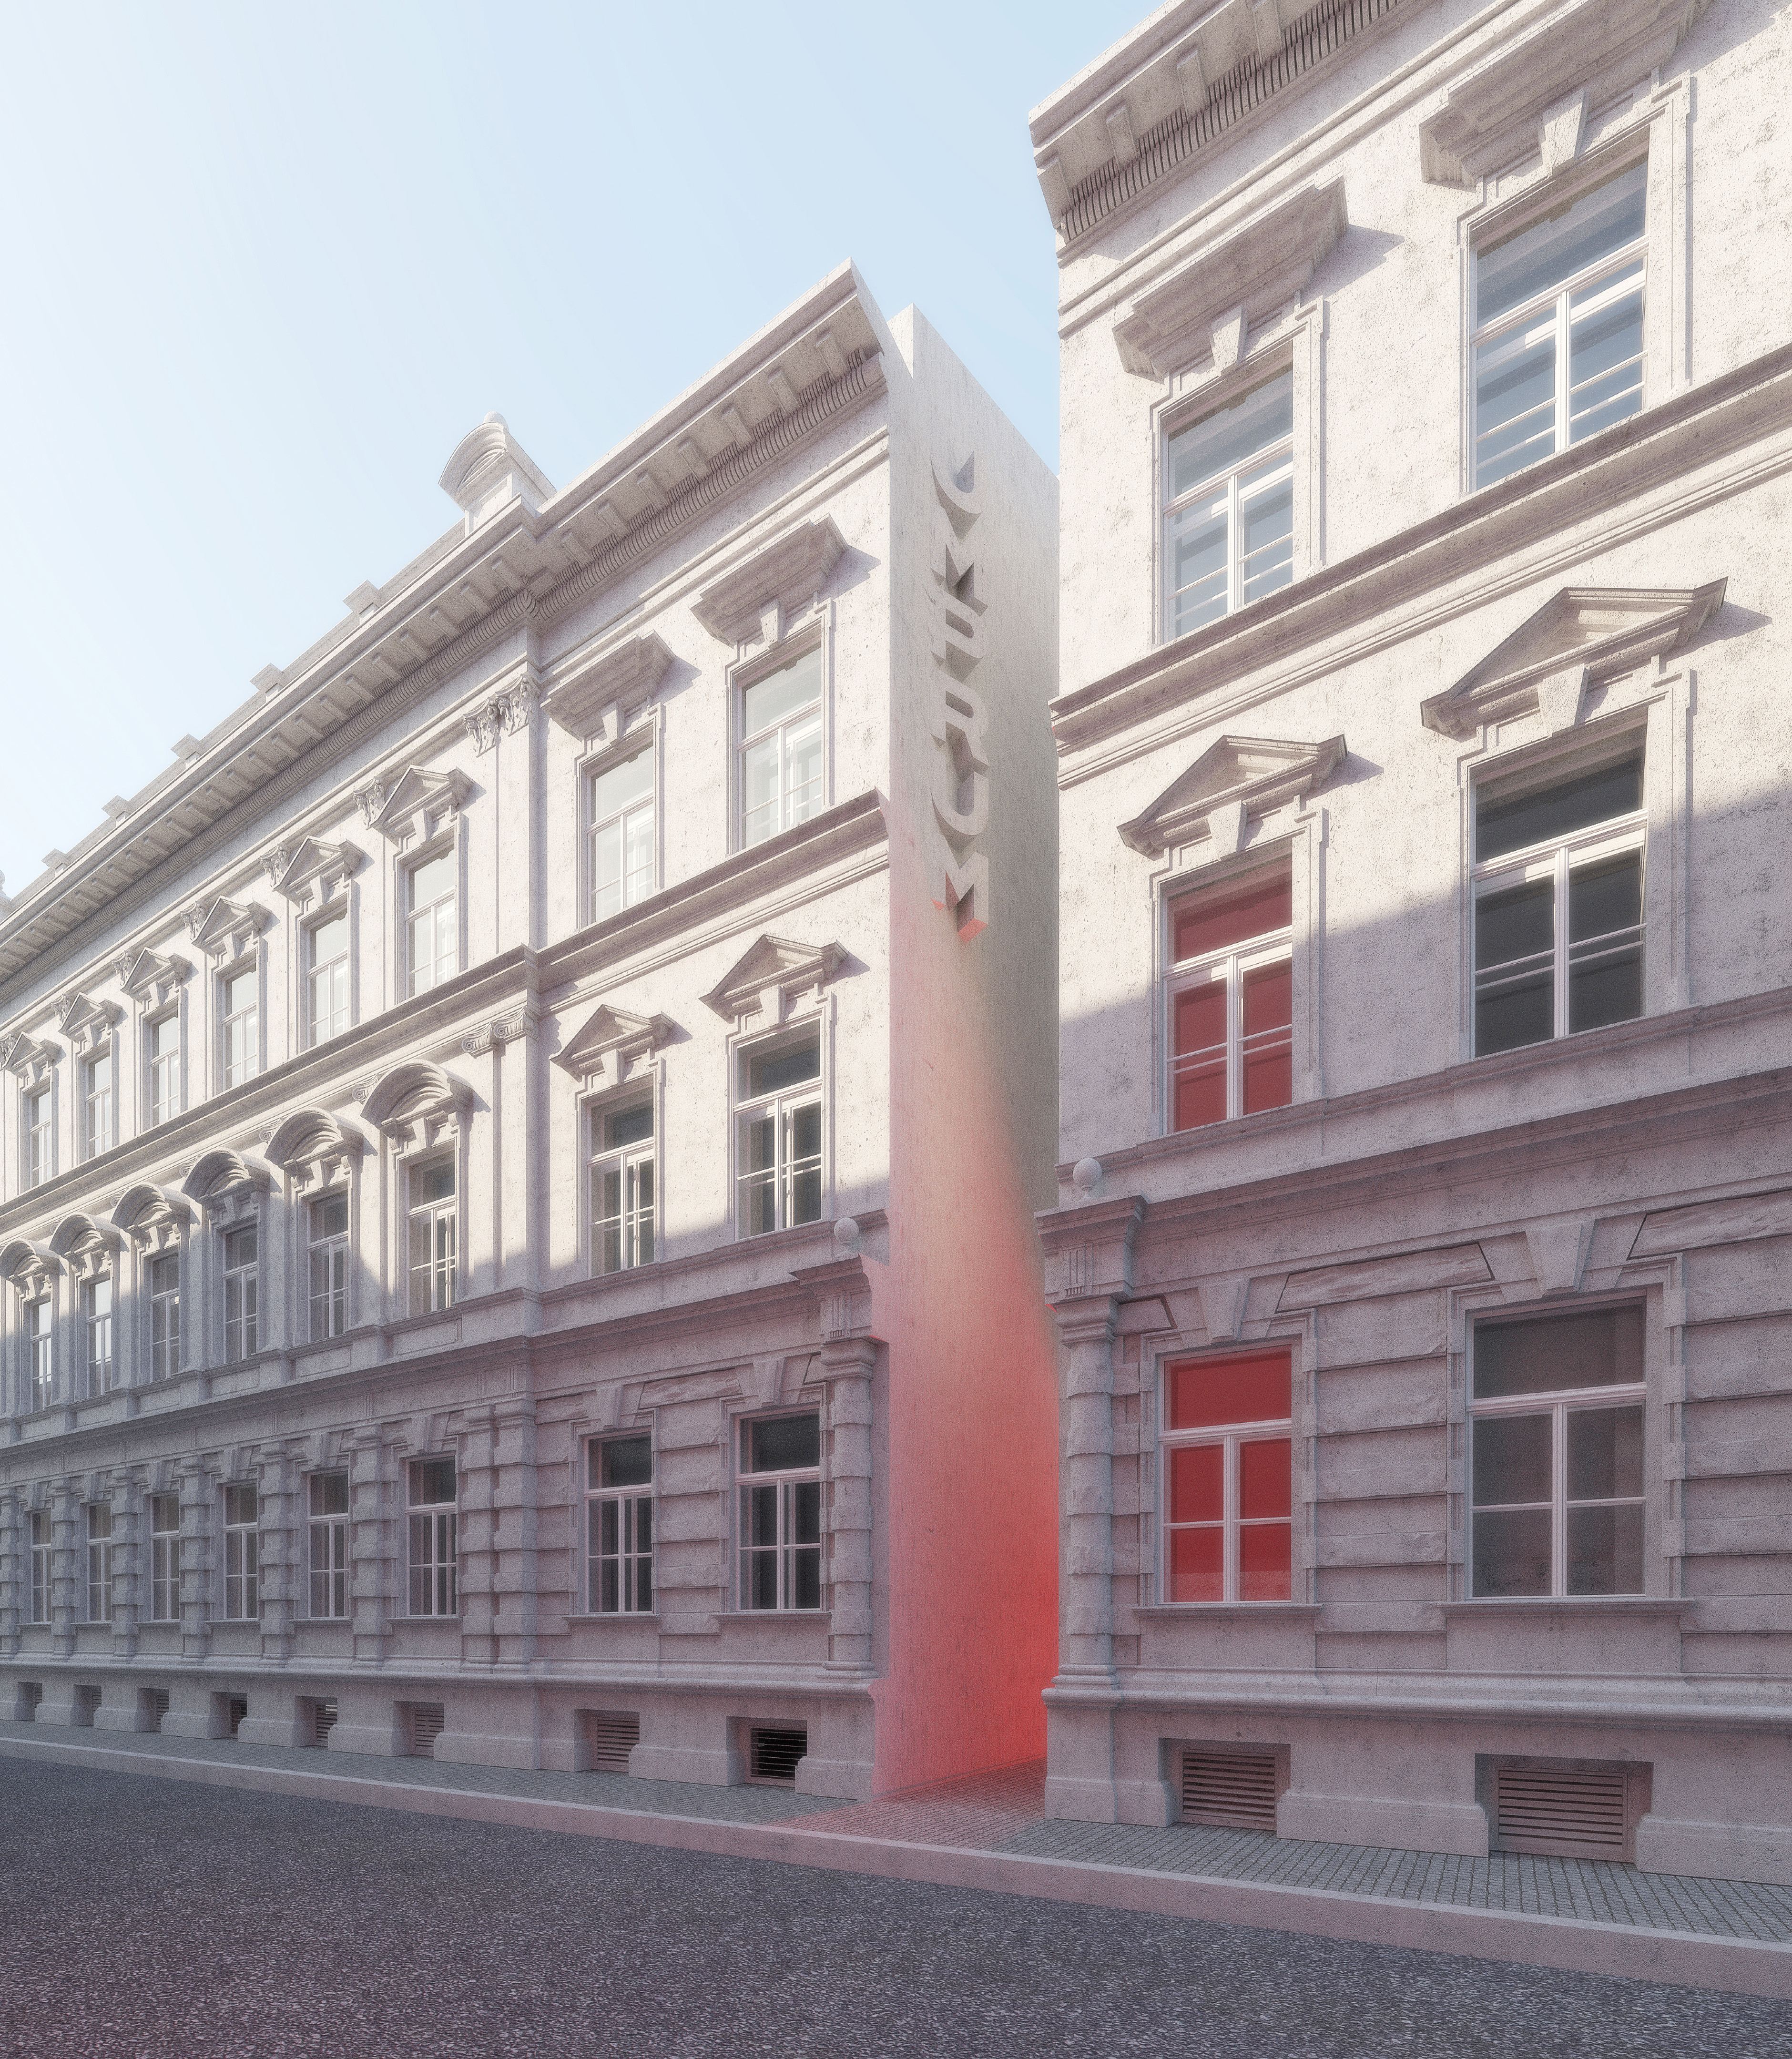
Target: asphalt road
[[154, 1919]]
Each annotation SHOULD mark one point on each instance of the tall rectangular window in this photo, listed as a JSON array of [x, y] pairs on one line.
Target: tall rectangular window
[[781, 778], [241, 1293], [40, 1158], [326, 977], [164, 1558], [430, 922], [40, 1352], [1557, 341], [622, 1187], [1228, 507], [435, 1546], [97, 1096], [1227, 1444], [164, 1315], [328, 1542], [242, 1570], [99, 1562], [1556, 1454], [165, 1069], [432, 1235], [778, 1136], [329, 1266], [620, 804], [96, 1323], [242, 1039], [1557, 888], [40, 1565], [618, 1525], [781, 1512], [1231, 992]]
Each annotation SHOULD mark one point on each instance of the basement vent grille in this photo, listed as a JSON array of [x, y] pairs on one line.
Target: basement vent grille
[[86, 1704], [1566, 1813], [155, 1707], [323, 1721], [1232, 1789], [428, 1721], [236, 1709], [611, 1736], [772, 1756], [30, 1694]]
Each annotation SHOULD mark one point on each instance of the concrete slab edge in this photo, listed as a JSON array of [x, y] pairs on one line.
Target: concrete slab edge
[[1734, 1965]]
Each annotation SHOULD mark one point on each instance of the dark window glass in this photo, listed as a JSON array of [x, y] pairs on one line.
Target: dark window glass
[[1603, 1348], [1506, 822], [432, 1480], [622, 1462], [772, 1072], [780, 1444]]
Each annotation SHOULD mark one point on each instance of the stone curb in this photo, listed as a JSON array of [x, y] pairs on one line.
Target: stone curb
[[1747, 1966]]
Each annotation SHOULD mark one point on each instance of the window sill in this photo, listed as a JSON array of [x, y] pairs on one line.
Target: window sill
[[1229, 1612], [1536, 1606], [615, 1615], [773, 1615]]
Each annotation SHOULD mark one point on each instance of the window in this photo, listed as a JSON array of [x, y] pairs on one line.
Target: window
[[326, 980], [1557, 341], [618, 1525], [242, 1582], [164, 1315], [40, 1565], [781, 1512], [435, 944], [781, 749], [1228, 508], [99, 1562], [431, 1235], [40, 1353], [1542, 846], [1228, 1465], [780, 1137], [242, 1281], [622, 1187], [434, 1563], [329, 1266], [96, 1323], [1556, 1454], [1230, 999], [40, 1160], [329, 1544], [164, 1558], [97, 1098], [242, 1044], [165, 1069], [621, 833]]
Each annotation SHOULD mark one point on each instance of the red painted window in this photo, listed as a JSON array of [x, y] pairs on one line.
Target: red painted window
[[1231, 999], [1228, 1478]]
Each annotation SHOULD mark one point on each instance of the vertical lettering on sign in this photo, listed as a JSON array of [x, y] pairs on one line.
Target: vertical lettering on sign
[[957, 718]]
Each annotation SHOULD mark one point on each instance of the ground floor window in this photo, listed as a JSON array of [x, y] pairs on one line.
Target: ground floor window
[[781, 1511], [1228, 1477]]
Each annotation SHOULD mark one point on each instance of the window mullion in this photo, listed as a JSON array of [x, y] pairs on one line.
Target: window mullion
[[1229, 1506], [1235, 1039], [1561, 942], [1562, 384], [1558, 1498]]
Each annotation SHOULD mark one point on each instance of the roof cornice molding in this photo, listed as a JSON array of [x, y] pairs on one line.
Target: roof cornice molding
[[1237, 780]]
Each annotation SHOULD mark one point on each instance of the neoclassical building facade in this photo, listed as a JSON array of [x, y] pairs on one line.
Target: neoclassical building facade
[[516, 1202], [1425, 1209]]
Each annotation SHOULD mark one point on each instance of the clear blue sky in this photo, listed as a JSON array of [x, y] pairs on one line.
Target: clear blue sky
[[265, 267]]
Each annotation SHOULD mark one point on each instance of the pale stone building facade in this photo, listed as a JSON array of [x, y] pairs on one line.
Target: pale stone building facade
[[516, 1208], [1426, 1207]]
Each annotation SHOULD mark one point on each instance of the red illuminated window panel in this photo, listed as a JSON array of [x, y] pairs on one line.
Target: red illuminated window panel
[[1228, 1479], [1231, 1000]]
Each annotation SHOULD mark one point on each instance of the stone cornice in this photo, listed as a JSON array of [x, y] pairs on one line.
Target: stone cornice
[[1657, 447]]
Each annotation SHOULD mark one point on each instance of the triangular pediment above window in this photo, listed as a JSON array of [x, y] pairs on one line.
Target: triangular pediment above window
[[771, 975], [614, 1031], [601, 696], [1235, 782], [148, 978], [1252, 274], [85, 1021], [312, 869], [788, 572], [1574, 63], [415, 804], [222, 929], [28, 1056], [1582, 637]]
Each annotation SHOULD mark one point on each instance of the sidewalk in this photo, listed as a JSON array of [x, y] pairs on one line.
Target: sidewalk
[[1582, 1915]]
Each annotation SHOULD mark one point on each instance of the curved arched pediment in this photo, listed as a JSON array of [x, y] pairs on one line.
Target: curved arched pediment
[[147, 1207], [311, 1133], [76, 1232], [414, 1091], [219, 1172], [24, 1262]]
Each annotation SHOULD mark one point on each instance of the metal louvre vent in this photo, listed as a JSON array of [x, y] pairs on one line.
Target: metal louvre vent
[[772, 1755], [155, 1707], [428, 1721], [1566, 1813], [323, 1721], [1232, 1789], [86, 1704], [611, 1736]]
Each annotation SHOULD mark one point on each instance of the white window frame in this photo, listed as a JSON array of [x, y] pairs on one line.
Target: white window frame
[[813, 633], [165, 1558], [434, 1296], [98, 1101], [1230, 1436], [99, 1337], [242, 1552], [627, 1161], [446, 846], [42, 1545], [1273, 947], [164, 1315], [247, 1065], [644, 738], [633, 1556], [322, 1027], [164, 1098], [433, 1558], [38, 1328], [37, 1138], [780, 1107], [333, 1250], [99, 1562], [1280, 453], [247, 1320], [785, 1544], [327, 1546]]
